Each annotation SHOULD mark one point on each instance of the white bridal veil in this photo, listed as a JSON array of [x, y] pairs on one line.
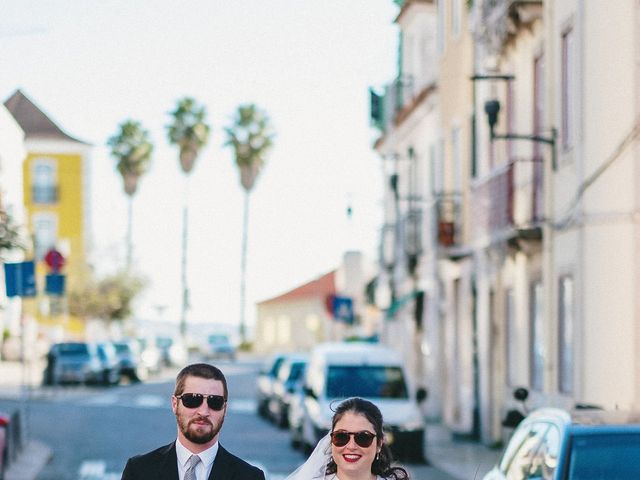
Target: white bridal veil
[[316, 464]]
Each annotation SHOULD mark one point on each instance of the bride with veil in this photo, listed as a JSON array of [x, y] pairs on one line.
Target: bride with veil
[[354, 449]]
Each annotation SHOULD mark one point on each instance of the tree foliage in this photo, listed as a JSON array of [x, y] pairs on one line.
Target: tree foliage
[[251, 137], [188, 130], [109, 298], [132, 149], [11, 237]]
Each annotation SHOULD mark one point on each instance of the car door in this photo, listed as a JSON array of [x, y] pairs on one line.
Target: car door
[[517, 461]]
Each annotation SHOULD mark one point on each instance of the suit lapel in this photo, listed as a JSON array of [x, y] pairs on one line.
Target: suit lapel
[[169, 468], [220, 469]]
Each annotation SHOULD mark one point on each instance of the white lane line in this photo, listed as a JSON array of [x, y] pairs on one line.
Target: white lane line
[[92, 470], [150, 401], [242, 405]]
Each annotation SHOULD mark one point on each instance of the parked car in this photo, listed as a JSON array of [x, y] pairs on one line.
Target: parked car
[[110, 363], [360, 369], [585, 443], [266, 377], [4, 449], [218, 346], [150, 355], [73, 362], [130, 360], [172, 352], [290, 373], [295, 413]]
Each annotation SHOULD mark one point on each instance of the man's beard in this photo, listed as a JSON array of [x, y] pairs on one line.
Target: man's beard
[[199, 434]]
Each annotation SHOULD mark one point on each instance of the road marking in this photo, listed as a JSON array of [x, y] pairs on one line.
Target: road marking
[[150, 401], [96, 470], [242, 405]]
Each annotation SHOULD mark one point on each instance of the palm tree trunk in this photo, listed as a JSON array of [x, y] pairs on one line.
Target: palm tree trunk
[[243, 267], [129, 234], [185, 237]]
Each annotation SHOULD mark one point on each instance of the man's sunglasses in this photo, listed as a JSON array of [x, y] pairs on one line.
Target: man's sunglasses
[[194, 400], [364, 438]]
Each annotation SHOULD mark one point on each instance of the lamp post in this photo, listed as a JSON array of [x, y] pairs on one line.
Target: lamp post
[[492, 109]]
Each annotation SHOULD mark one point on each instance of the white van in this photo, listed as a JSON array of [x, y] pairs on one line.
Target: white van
[[341, 370]]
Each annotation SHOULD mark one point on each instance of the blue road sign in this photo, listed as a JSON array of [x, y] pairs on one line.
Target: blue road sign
[[20, 279], [343, 309], [54, 284]]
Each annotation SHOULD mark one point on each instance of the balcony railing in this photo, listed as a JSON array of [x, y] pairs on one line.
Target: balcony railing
[[386, 107], [492, 203]]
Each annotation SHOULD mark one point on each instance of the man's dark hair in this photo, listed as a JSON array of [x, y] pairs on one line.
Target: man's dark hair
[[201, 370]]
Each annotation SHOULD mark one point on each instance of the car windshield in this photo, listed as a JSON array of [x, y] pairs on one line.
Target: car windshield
[[610, 456], [73, 349], [218, 340], [365, 381], [122, 347]]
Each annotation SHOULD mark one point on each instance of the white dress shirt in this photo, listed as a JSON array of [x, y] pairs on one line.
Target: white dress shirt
[[203, 469]]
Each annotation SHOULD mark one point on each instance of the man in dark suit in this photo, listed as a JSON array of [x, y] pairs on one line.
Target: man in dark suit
[[199, 403]]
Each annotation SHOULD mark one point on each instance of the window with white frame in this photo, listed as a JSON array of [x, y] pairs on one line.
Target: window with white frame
[[43, 171], [511, 119], [45, 232], [511, 337], [566, 319], [456, 14], [456, 159], [568, 89], [438, 170], [536, 347], [441, 29], [538, 125]]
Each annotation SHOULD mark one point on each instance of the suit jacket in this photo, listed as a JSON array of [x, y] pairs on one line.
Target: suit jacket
[[162, 464]]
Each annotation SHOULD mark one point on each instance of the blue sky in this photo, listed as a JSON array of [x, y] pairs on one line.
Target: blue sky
[[92, 64]]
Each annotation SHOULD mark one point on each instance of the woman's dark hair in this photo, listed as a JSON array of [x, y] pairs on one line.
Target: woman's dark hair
[[382, 464]]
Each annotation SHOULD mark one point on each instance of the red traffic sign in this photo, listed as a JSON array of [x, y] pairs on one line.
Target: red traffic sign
[[54, 260]]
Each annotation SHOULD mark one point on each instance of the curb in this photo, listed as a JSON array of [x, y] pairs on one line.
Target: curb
[[33, 457]]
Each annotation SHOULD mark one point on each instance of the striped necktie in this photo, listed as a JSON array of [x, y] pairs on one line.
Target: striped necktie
[[190, 474]]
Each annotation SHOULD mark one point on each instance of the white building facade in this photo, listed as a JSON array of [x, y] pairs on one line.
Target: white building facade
[[530, 239]]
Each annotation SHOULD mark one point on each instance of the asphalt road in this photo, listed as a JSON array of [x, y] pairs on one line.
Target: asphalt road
[[92, 431]]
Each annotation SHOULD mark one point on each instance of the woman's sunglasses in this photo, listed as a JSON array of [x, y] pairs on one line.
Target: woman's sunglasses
[[363, 439], [194, 400]]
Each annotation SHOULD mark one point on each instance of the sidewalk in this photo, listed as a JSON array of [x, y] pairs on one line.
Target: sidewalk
[[463, 459], [34, 454]]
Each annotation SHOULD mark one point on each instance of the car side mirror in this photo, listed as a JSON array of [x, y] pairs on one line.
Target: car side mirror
[[421, 394]]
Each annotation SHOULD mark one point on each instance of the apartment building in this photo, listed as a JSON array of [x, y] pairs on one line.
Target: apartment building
[[56, 186], [529, 265]]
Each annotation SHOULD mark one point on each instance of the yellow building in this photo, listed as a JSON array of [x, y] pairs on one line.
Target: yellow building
[[57, 210]]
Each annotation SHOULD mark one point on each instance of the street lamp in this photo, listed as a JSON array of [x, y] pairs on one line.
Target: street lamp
[[492, 109]]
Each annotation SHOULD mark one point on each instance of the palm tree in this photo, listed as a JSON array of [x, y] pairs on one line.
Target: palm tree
[[132, 149], [251, 137], [190, 133]]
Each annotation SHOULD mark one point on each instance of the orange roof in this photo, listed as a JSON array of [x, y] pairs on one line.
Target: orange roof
[[321, 288], [33, 121]]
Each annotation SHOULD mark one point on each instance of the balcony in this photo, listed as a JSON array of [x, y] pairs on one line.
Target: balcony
[[386, 107], [449, 220], [507, 205], [44, 194]]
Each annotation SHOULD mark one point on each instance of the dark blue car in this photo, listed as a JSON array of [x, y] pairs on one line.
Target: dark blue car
[[582, 444]]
